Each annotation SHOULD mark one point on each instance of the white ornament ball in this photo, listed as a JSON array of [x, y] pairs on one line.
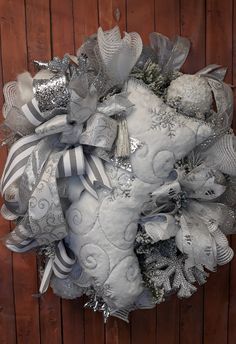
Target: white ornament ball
[[190, 94]]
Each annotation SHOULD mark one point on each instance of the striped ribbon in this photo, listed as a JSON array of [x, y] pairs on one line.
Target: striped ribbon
[[95, 175], [89, 168], [19, 240], [17, 159], [61, 265], [32, 113], [74, 162]]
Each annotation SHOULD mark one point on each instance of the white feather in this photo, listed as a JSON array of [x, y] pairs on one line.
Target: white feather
[[24, 88]]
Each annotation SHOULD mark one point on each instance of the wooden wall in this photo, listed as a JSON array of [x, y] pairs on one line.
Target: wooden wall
[[40, 29]]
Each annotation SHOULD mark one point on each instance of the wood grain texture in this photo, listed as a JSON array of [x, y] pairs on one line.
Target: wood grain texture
[[140, 17], [232, 280], [62, 20], [111, 13], [7, 306], [192, 15], [167, 17], [167, 22], [218, 50], [33, 29], [85, 19], [14, 57], [38, 29]]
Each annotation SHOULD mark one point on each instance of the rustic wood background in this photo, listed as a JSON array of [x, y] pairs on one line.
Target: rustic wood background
[[40, 29]]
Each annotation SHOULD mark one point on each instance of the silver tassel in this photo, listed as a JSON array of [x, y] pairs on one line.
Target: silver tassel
[[122, 143]]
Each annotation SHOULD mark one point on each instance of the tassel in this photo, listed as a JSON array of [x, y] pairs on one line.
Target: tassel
[[122, 141]]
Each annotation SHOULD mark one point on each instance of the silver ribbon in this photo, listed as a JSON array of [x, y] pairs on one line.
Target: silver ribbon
[[171, 54]]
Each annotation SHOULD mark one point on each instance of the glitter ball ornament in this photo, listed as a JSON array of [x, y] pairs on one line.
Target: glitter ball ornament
[[191, 95]]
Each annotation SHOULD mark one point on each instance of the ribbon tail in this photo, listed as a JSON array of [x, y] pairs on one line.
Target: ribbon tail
[[46, 277]]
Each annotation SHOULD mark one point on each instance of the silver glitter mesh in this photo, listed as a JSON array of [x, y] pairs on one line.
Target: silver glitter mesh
[[51, 93]]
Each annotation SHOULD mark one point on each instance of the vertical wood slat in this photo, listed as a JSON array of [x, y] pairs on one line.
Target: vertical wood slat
[[85, 19], [167, 17], [218, 50], [167, 22], [86, 23], [232, 282], [63, 41], [39, 48], [62, 27], [111, 13], [192, 16], [7, 307], [14, 57], [140, 18]]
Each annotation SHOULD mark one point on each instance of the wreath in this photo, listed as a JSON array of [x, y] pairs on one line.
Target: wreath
[[121, 171]]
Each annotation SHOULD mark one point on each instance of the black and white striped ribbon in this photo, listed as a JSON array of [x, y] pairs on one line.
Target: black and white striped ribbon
[[89, 167], [32, 113], [72, 163], [61, 265], [17, 159], [95, 175]]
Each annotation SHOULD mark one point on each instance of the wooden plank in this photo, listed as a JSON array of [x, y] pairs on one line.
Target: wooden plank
[[111, 13], [14, 56], [167, 19], [62, 20], [218, 50], [140, 17], [39, 48], [38, 32], [167, 22], [168, 321], [62, 27], [85, 19], [192, 15], [85, 24], [7, 307], [191, 318], [232, 292], [50, 318], [73, 321], [143, 326], [117, 331], [93, 327]]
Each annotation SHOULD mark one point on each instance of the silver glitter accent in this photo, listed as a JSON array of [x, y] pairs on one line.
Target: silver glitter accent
[[134, 144], [123, 163], [51, 93], [59, 65], [97, 304]]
